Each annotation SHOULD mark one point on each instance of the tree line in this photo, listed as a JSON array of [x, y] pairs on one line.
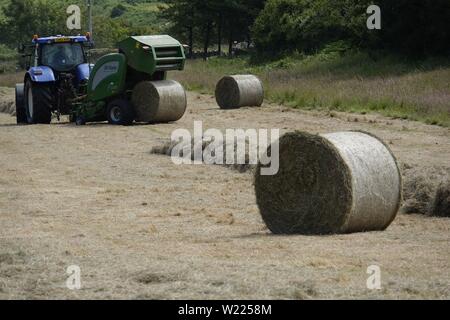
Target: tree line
[[21, 19], [276, 27], [273, 27]]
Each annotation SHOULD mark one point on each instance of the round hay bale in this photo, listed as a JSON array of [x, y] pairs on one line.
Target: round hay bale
[[334, 183], [159, 101], [239, 91]]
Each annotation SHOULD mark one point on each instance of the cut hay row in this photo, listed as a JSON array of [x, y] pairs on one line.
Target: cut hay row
[[239, 91], [7, 103], [426, 191], [440, 207], [7, 107], [167, 147], [334, 183]]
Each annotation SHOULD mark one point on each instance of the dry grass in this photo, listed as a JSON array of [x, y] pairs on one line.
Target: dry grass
[[167, 147], [416, 91], [7, 102], [10, 79], [142, 228]]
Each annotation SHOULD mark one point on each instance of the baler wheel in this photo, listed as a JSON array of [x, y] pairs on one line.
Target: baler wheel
[[120, 112]]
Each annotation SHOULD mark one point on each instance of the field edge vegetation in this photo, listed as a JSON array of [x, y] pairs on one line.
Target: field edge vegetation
[[350, 81]]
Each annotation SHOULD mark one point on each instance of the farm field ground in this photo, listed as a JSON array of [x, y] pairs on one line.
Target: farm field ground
[[140, 227]]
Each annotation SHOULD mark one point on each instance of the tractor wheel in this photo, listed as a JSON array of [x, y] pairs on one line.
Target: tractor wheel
[[38, 103], [120, 112], [21, 114]]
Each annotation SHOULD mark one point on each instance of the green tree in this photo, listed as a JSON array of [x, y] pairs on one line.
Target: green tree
[[304, 25], [415, 27], [118, 11], [182, 15], [24, 18], [409, 27]]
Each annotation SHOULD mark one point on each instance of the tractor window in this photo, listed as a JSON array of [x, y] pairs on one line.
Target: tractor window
[[62, 56]]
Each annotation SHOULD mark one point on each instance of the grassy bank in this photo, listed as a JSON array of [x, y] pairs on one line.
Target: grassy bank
[[331, 81]]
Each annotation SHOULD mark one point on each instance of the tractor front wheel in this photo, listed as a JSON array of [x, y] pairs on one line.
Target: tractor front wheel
[[120, 112], [38, 103]]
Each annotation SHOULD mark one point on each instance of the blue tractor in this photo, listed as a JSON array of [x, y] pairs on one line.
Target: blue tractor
[[57, 72]]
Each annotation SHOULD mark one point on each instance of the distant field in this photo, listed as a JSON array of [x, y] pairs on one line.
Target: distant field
[[355, 83]]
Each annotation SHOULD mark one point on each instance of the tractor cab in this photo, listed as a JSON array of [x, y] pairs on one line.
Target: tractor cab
[[57, 55], [62, 57]]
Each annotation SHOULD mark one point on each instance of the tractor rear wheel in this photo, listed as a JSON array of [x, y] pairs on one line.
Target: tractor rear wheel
[[38, 103], [120, 112], [21, 114]]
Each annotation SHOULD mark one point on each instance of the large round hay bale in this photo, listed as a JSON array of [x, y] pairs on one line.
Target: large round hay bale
[[334, 183], [239, 91], [159, 101]]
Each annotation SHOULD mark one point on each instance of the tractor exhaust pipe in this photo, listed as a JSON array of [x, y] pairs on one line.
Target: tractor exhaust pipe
[[90, 4]]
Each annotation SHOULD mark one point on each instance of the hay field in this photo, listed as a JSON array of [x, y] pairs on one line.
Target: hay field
[[140, 227], [351, 83]]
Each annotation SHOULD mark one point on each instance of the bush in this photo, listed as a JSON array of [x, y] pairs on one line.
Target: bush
[[304, 25], [118, 11], [7, 54]]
